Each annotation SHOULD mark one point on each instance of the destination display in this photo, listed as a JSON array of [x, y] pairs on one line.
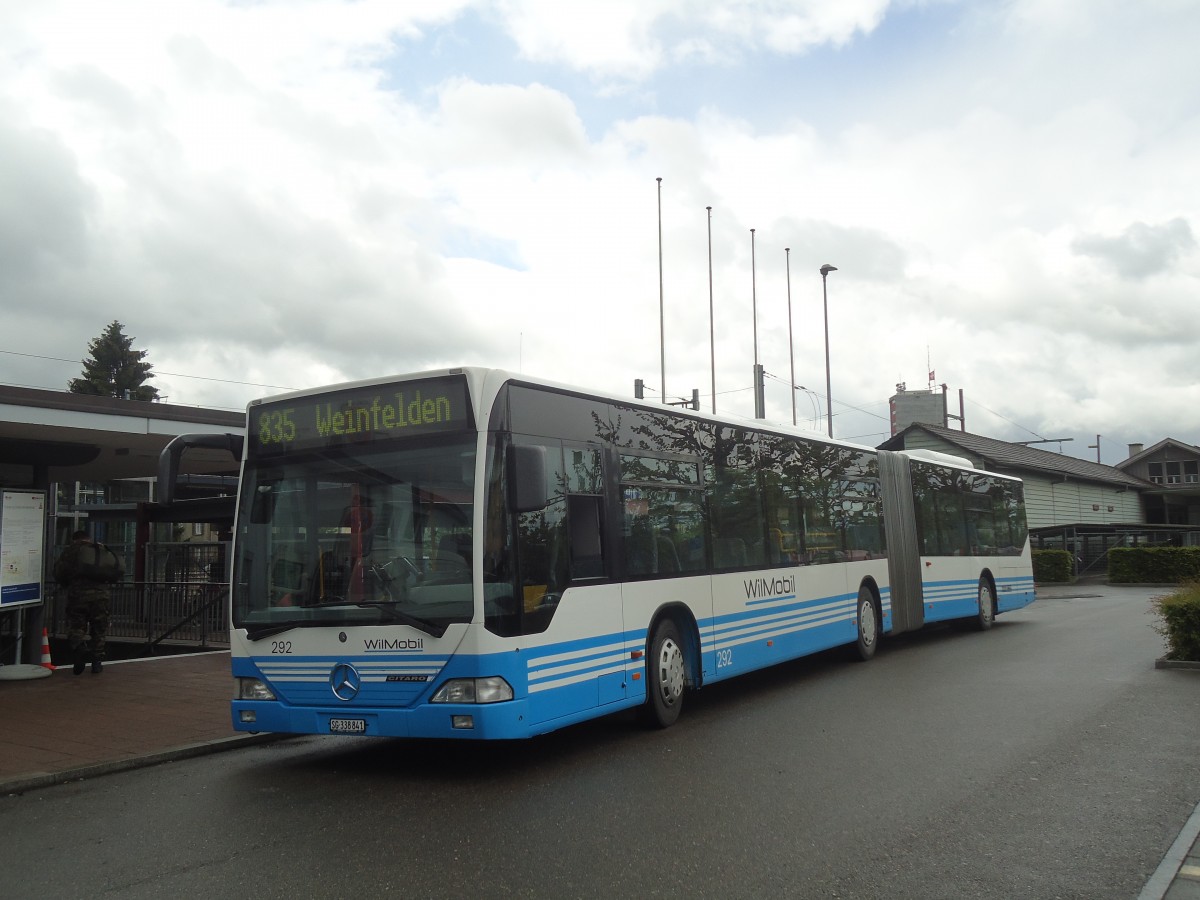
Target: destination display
[[360, 416]]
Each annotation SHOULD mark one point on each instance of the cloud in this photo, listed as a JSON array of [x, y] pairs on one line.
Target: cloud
[[283, 194], [630, 40], [1141, 250], [44, 207]]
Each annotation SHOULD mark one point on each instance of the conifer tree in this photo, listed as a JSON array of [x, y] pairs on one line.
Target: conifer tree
[[114, 368]]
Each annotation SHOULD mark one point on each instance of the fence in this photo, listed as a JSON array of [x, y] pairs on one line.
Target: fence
[[1089, 546], [155, 613], [178, 602]]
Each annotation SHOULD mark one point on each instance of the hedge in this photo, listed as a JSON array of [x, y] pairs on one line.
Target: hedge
[[1050, 566], [1153, 565], [1179, 624]]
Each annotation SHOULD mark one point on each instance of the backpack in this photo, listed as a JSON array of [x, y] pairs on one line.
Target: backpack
[[97, 562]]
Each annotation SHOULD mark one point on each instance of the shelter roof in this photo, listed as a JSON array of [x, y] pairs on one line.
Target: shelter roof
[[59, 436]]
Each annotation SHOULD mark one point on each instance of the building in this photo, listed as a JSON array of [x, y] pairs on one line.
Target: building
[[1172, 469], [97, 460], [908, 407]]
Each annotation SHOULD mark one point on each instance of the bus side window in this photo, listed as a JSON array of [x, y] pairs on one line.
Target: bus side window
[[541, 538], [641, 556], [584, 515]]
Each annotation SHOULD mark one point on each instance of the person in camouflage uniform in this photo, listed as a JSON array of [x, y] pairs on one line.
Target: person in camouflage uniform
[[87, 606]]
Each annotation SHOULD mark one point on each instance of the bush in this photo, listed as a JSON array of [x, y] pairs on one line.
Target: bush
[[1179, 615], [1050, 566], [1153, 565]]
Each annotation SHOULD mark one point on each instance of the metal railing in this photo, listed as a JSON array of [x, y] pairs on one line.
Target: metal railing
[[195, 614], [189, 562], [183, 599]]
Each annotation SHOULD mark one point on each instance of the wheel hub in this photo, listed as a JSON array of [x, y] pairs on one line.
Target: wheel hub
[[866, 622], [670, 672]]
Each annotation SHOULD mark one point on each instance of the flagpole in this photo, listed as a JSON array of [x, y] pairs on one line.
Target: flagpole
[[662, 326], [712, 339]]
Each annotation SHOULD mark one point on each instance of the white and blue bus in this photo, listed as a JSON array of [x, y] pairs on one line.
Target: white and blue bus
[[475, 554]]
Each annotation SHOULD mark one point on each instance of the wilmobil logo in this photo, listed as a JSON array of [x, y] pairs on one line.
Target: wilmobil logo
[[391, 645], [776, 588]]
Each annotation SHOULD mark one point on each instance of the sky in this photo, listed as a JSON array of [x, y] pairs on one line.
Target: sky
[[281, 195]]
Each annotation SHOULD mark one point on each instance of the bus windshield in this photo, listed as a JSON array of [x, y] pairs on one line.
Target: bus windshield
[[344, 536]]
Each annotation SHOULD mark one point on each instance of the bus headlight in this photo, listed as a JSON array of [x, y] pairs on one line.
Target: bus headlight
[[252, 689], [493, 689]]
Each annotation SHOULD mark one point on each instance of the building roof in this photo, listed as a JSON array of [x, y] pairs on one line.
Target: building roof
[[1003, 456], [1189, 450]]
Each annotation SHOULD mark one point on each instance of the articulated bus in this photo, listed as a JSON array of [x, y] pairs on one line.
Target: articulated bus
[[471, 553]]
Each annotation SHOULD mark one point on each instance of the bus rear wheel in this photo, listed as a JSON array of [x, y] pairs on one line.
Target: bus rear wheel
[[986, 617], [867, 623], [665, 677]]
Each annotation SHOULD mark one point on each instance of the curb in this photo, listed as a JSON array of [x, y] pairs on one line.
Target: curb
[[1167, 874], [1164, 663], [46, 779]]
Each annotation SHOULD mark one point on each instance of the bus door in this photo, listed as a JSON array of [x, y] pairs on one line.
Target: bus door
[[664, 557], [569, 606]]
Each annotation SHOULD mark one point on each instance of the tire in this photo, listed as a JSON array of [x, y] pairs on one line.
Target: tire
[[986, 615], [867, 624], [666, 669]]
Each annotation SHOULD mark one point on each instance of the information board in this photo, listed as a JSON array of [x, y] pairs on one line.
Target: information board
[[22, 530]]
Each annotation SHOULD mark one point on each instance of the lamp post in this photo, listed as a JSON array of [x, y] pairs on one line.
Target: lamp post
[[825, 270]]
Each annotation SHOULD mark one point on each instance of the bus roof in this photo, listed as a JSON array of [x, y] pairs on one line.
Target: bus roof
[[945, 459], [479, 377]]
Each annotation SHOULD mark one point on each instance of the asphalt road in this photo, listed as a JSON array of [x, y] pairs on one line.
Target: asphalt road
[[1047, 758]]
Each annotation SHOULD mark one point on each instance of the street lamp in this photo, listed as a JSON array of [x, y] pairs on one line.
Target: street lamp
[[825, 270]]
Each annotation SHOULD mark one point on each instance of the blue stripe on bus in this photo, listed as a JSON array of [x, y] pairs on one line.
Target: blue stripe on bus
[[959, 598], [554, 681]]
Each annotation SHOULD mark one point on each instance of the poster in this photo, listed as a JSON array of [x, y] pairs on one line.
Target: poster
[[22, 527]]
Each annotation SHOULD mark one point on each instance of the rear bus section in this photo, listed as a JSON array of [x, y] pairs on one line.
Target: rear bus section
[[962, 538]]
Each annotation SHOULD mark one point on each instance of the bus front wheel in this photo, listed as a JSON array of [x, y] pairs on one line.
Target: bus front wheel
[[987, 605], [665, 676], [868, 624]]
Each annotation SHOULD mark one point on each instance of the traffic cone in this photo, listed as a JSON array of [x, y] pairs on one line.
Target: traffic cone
[[46, 663]]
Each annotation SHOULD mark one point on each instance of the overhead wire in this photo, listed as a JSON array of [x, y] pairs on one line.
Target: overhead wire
[[154, 372]]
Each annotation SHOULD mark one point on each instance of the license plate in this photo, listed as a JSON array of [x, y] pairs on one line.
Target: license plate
[[348, 726]]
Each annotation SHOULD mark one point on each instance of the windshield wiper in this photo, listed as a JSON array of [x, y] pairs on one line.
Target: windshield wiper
[[265, 631], [387, 606]]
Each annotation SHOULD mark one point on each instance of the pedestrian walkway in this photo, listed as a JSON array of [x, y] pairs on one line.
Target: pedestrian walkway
[[135, 712]]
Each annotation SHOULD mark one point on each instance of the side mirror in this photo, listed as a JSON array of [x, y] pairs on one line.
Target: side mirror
[[526, 478]]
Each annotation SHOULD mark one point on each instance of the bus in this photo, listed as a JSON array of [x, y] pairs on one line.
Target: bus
[[470, 553]]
